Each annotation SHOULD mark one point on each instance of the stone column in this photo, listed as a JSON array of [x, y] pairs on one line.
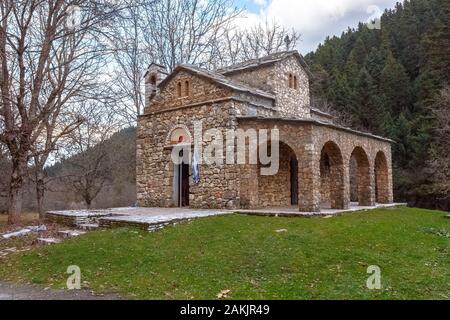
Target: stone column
[[346, 187], [308, 179], [390, 179], [249, 182], [372, 196]]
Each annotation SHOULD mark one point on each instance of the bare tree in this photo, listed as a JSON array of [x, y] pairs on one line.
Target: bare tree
[[237, 45], [5, 167], [49, 52], [186, 31], [88, 163], [131, 59], [440, 149], [57, 127]]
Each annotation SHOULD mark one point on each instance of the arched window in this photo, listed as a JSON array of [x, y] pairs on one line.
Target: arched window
[[291, 79], [295, 82], [187, 88], [153, 80], [179, 89]]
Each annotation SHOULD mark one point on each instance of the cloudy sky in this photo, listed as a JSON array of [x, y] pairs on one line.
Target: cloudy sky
[[314, 19]]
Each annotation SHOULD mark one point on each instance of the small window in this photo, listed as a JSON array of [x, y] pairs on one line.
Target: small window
[[153, 80], [187, 88], [295, 83], [291, 80], [179, 89]]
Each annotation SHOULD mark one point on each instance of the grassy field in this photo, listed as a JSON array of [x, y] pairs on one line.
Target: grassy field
[[314, 259]]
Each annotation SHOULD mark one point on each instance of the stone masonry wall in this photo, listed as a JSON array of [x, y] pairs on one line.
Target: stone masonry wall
[[275, 79], [275, 191], [200, 90], [307, 140], [219, 186]]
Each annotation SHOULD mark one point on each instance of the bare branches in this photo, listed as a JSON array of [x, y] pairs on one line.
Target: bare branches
[[237, 45], [185, 31], [47, 65], [87, 164]]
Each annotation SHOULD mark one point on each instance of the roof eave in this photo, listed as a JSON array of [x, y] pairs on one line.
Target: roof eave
[[317, 122]]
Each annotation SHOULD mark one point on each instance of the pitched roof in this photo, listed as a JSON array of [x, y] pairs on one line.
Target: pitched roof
[[219, 79], [264, 61], [163, 69], [316, 122]]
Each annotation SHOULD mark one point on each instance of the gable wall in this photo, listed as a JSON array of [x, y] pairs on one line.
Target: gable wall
[[219, 185], [291, 102], [201, 90], [275, 79]]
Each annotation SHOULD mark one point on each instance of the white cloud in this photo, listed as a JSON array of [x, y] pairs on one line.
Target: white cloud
[[316, 19], [261, 3]]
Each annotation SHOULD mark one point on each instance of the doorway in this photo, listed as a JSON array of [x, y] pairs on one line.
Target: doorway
[[181, 183], [294, 181], [184, 185]]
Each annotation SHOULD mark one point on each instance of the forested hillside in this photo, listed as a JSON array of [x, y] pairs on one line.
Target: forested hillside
[[387, 81]]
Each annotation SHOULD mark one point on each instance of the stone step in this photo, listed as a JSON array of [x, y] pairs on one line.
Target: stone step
[[48, 241], [158, 226], [71, 233], [88, 226]]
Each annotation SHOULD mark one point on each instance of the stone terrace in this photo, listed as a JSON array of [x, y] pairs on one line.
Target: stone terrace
[[152, 219]]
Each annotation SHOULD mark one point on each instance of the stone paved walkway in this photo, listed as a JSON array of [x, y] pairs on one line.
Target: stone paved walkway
[[159, 215]]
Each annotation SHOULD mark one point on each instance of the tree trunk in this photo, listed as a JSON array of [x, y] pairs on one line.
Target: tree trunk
[[40, 192], [15, 198], [15, 190]]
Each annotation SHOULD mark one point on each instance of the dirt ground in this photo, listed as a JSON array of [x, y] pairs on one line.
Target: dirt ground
[[10, 291], [29, 292]]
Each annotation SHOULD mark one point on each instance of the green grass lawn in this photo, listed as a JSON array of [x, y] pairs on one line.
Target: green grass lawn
[[315, 259]]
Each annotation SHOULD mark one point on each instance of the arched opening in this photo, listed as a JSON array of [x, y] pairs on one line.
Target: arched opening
[[295, 83], [381, 178], [180, 141], [331, 177], [179, 89], [281, 189], [179, 135], [291, 80], [187, 89], [153, 80], [359, 167]]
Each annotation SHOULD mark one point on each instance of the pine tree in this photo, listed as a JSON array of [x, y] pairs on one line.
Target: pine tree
[[395, 86], [366, 106]]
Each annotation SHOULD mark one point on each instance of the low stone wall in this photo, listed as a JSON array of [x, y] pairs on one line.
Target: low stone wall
[[73, 219]]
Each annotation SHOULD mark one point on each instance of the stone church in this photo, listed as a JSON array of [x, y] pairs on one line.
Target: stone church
[[321, 164]]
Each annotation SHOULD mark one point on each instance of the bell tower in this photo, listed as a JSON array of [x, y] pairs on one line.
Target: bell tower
[[154, 76]]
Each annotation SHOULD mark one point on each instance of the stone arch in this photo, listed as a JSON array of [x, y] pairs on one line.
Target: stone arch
[[359, 167], [332, 177], [281, 189], [381, 178], [179, 134]]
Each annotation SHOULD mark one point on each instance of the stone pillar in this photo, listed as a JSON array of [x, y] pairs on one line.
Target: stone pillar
[[372, 196], [308, 179], [249, 181], [345, 188], [390, 179]]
